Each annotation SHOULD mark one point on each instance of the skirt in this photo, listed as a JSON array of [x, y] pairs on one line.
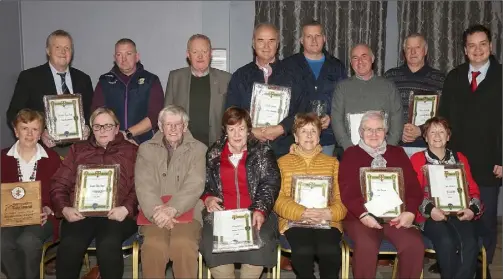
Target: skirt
[[266, 256]]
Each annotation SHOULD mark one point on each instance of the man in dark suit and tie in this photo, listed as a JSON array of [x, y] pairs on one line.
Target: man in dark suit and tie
[[55, 77]]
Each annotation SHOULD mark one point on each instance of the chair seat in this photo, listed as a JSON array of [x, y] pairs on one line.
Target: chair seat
[[386, 246], [128, 242]]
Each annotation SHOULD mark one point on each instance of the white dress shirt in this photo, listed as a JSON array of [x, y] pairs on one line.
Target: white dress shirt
[[482, 70], [27, 167], [57, 80]]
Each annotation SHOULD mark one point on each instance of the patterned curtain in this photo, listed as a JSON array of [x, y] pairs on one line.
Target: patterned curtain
[[346, 23], [443, 23]]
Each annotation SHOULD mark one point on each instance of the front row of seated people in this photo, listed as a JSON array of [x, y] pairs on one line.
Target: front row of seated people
[[238, 171]]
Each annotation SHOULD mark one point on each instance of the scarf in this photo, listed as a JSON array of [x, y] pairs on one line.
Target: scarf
[[376, 153], [432, 159]]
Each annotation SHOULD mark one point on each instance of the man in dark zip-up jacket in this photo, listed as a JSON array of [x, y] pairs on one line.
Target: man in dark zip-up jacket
[[318, 72], [133, 93]]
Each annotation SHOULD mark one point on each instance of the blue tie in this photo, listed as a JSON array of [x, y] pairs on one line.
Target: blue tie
[[64, 88]]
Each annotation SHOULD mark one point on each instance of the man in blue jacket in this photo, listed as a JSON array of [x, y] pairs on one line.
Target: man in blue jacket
[[318, 72]]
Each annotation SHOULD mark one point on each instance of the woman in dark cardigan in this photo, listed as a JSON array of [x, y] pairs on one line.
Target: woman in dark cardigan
[[28, 161], [239, 157]]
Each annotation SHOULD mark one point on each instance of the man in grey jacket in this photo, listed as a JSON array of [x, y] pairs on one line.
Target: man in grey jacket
[[363, 92]]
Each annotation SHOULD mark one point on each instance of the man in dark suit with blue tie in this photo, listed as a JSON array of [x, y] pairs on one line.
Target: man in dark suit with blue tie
[[55, 77]]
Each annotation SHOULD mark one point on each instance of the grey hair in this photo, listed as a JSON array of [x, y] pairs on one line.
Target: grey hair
[[174, 110], [416, 35], [198, 36], [373, 114], [365, 45]]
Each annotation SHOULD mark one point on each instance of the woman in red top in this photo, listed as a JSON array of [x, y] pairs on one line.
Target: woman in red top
[[106, 146], [448, 233], [28, 161], [241, 172]]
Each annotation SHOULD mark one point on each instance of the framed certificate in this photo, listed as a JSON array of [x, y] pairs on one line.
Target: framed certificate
[[21, 204], [312, 191], [96, 189], [422, 106], [448, 187], [233, 231], [269, 104], [64, 115], [354, 120], [383, 191]]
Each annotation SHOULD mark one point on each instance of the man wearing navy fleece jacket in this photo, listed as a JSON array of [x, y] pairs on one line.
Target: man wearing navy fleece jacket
[[318, 73]]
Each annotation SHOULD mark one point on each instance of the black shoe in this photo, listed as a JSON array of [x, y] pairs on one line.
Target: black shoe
[[434, 268], [478, 275]]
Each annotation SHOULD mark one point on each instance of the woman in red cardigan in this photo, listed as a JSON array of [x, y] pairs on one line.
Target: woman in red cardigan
[[28, 161], [448, 233], [361, 226]]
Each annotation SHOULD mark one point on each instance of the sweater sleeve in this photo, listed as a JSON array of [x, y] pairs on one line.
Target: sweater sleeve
[[285, 205], [349, 183], [338, 123]]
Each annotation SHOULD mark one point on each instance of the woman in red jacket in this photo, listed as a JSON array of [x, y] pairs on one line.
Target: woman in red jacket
[[449, 234], [28, 161], [106, 146]]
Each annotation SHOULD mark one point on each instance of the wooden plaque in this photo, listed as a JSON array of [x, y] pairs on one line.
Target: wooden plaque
[[21, 204]]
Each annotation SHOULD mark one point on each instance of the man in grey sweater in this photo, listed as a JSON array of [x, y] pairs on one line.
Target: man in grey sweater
[[363, 92]]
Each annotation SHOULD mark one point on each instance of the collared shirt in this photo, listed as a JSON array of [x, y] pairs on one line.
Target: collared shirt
[[482, 70], [57, 80], [27, 167], [203, 75], [360, 78]]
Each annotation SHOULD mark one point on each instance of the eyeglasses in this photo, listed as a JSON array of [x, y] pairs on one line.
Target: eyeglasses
[[173, 125], [107, 127], [370, 131]]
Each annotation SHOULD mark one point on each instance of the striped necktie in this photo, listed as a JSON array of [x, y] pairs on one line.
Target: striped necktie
[[64, 88]]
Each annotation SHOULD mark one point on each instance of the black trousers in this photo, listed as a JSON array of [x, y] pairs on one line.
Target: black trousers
[[488, 223], [76, 238], [308, 244], [456, 245]]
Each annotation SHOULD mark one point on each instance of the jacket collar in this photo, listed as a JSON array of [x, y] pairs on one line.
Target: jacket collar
[[119, 139], [116, 71]]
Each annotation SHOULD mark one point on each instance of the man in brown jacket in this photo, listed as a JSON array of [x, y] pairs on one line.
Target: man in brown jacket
[[172, 163]]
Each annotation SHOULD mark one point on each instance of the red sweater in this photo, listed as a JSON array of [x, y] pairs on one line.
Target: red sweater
[[355, 158], [229, 176], [46, 167], [419, 160]]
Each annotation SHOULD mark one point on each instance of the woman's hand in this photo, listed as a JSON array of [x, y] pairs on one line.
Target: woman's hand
[[465, 214], [72, 215], [118, 213], [212, 204], [46, 211], [257, 219], [370, 222], [438, 215], [404, 220], [317, 215]]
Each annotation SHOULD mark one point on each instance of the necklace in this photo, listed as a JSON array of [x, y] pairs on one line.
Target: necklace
[[20, 173]]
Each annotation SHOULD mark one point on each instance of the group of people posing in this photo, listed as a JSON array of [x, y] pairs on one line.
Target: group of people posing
[[196, 143]]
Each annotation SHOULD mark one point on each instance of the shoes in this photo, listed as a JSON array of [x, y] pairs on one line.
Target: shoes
[[434, 268], [50, 268], [286, 264]]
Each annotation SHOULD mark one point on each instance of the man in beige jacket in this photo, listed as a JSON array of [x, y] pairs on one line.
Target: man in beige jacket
[[172, 163]]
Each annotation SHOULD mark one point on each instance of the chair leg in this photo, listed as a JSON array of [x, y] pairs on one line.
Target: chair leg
[[200, 267], [484, 263], [87, 262], [395, 268], [136, 248], [278, 265], [208, 274], [42, 261], [345, 260]]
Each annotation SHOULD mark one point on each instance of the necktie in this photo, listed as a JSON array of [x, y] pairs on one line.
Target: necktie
[[474, 80], [64, 88]]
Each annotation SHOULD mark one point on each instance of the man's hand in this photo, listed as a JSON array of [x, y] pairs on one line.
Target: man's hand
[[465, 214], [325, 122], [438, 214], [410, 133], [72, 215], [130, 140], [257, 219], [404, 220], [47, 139], [259, 134], [272, 132], [163, 214], [212, 204], [46, 211], [497, 170], [118, 213], [370, 222], [86, 132]]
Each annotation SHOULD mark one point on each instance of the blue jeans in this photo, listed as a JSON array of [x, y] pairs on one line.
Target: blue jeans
[[328, 150]]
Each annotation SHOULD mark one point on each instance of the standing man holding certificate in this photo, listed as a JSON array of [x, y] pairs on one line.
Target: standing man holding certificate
[[266, 71], [200, 89], [414, 76], [56, 77], [133, 93], [319, 72], [471, 103], [169, 179], [364, 92]]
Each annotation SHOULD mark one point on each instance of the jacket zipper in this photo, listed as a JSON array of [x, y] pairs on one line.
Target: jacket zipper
[[125, 101]]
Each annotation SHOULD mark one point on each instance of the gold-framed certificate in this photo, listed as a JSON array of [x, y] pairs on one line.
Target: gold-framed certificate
[[21, 204], [233, 231], [422, 106], [312, 191], [96, 189], [64, 117], [269, 104], [353, 123], [383, 191], [448, 187]]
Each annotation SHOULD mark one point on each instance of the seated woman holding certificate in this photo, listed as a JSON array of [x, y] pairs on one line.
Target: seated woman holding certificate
[[27, 161], [110, 226], [241, 172], [365, 229], [448, 232], [310, 218]]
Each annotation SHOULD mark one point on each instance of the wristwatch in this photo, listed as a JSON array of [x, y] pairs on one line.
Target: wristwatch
[[129, 135]]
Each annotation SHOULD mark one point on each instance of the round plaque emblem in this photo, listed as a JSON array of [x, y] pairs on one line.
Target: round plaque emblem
[[95, 205], [18, 193]]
